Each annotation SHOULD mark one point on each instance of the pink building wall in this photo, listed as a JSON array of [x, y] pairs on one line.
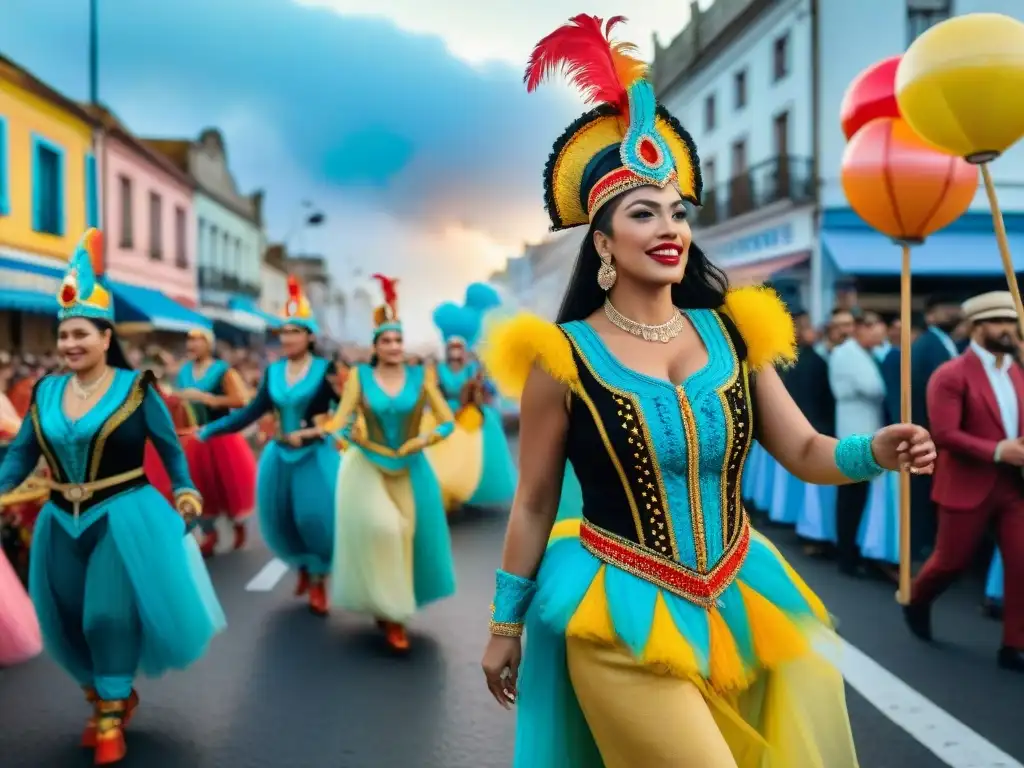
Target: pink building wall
[[133, 262]]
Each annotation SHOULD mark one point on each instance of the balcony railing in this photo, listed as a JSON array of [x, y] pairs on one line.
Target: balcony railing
[[781, 178], [216, 280]]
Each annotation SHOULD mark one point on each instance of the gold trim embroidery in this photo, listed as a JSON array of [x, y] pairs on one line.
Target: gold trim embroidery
[[124, 411], [415, 418], [730, 428], [700, 544], [37, 427], [655, 506], [748, 441], [374, 429]]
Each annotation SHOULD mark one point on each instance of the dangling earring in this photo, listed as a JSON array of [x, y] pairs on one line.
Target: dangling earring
[[606, 275]]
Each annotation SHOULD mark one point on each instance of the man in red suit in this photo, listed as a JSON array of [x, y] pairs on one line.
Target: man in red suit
[[976, 412]]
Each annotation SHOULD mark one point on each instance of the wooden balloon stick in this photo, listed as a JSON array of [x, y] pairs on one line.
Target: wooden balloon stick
[[903, 596]]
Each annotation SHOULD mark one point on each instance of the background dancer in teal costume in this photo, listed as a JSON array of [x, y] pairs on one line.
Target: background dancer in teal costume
[[118, 584], [224, 468], [498, 475], [459, 460], [298, 468], [393, 550]]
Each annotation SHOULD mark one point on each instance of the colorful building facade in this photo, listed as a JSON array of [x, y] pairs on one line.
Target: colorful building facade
[[49, 194], [230, 240], [149, 216]]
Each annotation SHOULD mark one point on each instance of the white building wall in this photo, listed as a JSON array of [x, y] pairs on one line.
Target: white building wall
[[273, 290], [853, 36], [752, 51]]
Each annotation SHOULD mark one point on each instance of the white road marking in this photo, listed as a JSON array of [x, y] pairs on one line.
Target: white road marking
[[953, 742], [268, 577]]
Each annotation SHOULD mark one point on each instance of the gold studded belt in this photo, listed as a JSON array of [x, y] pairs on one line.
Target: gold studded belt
[[75, 498]]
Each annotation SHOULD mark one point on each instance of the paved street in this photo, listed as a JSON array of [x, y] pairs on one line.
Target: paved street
[[285, 689]]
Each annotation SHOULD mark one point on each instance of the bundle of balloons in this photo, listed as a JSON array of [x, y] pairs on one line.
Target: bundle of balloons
[[918, 127]]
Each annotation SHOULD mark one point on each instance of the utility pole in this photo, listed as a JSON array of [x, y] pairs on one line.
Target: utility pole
[[98, 152]]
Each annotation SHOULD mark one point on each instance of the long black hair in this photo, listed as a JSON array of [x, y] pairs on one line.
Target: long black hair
[[703, 286], [116, 357]]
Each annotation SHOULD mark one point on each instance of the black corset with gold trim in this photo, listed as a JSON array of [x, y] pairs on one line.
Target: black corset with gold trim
[[118, 447], [625, 505]]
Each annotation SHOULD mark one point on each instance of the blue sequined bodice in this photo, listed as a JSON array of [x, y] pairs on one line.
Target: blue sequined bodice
[[675, 452]]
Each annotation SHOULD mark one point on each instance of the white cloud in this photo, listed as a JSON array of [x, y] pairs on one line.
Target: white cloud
[[506, 30]]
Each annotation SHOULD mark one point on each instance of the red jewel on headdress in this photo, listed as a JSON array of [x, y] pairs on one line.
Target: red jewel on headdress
[[648, 151], [68, 294]]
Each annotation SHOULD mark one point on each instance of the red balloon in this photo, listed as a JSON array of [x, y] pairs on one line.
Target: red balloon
[[871, 95]]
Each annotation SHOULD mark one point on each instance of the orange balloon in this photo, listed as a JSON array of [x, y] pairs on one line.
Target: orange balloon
[[901, 186]]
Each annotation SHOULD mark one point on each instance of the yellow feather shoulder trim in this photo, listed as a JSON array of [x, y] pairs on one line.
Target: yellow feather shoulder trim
[[765, 325], [513, 345]]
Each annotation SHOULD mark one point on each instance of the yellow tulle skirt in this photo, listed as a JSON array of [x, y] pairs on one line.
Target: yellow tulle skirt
[[458, 460], [762, 665]]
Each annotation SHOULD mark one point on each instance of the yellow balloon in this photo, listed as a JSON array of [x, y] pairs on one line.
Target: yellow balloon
[[961, 85]]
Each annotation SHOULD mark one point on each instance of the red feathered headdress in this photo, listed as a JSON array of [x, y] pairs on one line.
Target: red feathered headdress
[[388, 311], [626, 141]]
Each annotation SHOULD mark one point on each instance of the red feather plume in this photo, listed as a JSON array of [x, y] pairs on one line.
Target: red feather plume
[[601, 69], [388, 286], [294, 290]]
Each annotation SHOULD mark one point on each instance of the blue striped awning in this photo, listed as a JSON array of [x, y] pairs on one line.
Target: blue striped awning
[[948, 253], [135, 304], [249, 307], [24, 300]]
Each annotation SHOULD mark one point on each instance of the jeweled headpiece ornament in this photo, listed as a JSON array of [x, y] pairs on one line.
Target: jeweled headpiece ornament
[[297, 310], [458, 325], [80, 293], [385, 316], [628, 140]]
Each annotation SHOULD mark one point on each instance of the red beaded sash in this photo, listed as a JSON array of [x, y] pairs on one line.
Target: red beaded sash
[[702, 589]]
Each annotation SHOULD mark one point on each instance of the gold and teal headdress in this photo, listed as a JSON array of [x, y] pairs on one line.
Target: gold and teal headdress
[[81, 294], [297, 310], [627, 141], [385, 316]]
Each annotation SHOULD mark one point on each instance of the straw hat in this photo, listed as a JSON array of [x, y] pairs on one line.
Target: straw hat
[[995, 305]]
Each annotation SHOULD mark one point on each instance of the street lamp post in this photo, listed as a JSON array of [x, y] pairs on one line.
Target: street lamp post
[[97, 139]]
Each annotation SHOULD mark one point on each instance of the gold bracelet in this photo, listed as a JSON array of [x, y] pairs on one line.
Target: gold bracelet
[[506, 629]]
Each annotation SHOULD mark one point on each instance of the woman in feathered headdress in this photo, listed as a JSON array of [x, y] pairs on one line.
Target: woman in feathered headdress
[[298, 467], [393, 549], [458, 461], [117, 582], [223, 467], [658, 598]]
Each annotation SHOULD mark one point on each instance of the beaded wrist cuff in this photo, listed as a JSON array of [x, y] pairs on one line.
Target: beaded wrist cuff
[[855, 459], [512, 597]]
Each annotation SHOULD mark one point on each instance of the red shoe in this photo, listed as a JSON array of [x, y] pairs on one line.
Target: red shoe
[[89, 734], [396, 637], [241, 536], [110, 746], [302, 585], [318, 598], [209, 545]]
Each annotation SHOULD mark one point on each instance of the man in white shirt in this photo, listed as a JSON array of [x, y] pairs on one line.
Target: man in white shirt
[[859, 391], [976, 411]]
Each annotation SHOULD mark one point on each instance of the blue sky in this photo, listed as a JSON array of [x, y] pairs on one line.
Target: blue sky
[[410, 127]]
